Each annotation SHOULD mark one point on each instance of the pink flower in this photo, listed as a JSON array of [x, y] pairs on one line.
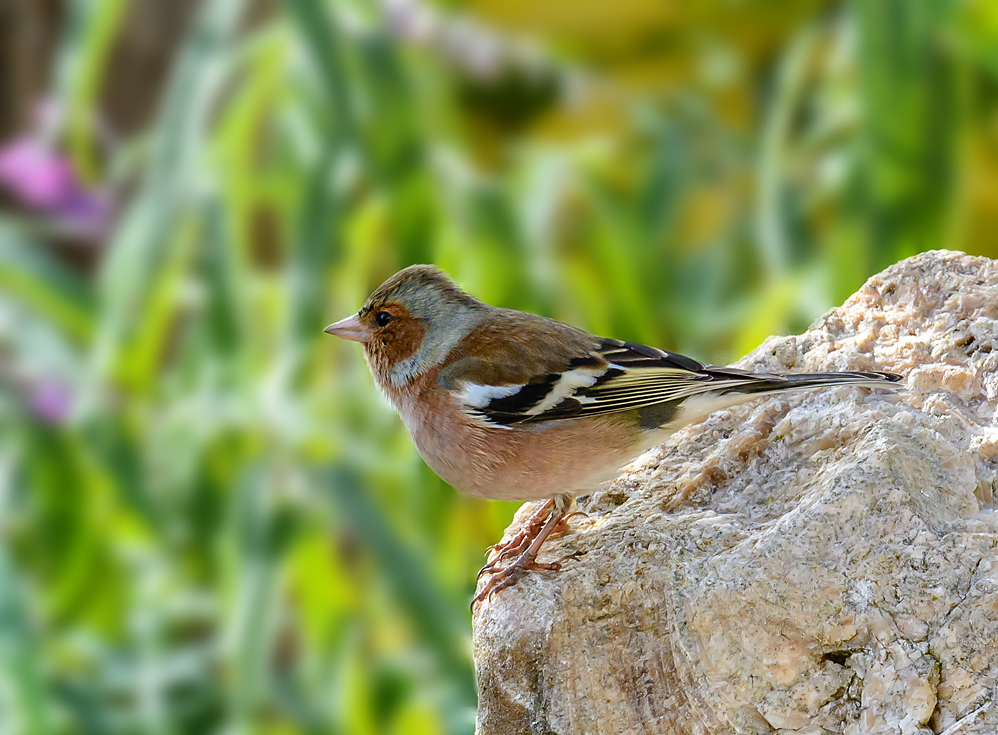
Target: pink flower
[[50, 401], [42, 180]]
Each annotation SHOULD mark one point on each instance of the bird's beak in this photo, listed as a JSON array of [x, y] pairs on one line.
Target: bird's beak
[[349, 328]]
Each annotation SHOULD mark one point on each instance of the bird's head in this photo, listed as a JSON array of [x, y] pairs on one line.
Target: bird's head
[[409, 324]]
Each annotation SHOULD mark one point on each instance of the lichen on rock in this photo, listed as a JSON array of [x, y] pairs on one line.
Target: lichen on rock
[[824, 562]]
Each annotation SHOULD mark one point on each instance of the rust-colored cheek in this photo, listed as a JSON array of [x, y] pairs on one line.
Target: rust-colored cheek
[[400, 343], [407, 339]]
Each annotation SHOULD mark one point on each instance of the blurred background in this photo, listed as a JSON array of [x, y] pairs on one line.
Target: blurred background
[[210, 521]]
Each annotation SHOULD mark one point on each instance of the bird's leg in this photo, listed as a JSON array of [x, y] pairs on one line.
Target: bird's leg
[[520, 541], [507, 576], [534, 523]]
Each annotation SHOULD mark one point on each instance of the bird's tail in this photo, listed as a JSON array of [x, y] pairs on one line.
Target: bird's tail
[[730, 387], [754, 383]]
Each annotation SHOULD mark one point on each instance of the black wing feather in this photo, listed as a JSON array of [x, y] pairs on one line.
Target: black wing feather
[[624, 376]]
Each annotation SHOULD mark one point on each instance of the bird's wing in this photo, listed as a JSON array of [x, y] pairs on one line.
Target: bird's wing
[[610, 377]]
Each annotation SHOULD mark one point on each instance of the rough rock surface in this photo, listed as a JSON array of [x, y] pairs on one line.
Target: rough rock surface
[[825, 562]]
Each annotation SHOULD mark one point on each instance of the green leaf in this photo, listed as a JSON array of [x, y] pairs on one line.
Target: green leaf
[[20, 658], [914, 104], [438, 623], [29, 272], [141, 245]]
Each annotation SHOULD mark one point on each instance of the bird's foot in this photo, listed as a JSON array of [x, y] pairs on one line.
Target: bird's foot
[[518, 545], [508, 576], [502, 551], [525, 545]]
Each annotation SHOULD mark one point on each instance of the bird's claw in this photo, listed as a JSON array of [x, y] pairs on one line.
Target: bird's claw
[[562, 528], [564, 521], [508, 576]]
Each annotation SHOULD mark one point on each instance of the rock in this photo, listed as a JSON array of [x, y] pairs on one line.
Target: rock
[[825, 562]]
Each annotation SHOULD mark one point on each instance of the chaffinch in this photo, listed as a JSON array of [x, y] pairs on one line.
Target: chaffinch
[[513, 406]]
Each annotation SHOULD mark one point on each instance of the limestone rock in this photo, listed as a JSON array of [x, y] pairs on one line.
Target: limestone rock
[[825, 562]]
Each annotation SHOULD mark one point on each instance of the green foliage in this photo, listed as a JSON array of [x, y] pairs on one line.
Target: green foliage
[[231, 531]]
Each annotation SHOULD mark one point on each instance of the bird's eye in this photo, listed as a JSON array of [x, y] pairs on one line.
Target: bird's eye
[[382, 318]]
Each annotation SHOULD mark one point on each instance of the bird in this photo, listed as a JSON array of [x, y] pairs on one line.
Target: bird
[[508, 405]]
